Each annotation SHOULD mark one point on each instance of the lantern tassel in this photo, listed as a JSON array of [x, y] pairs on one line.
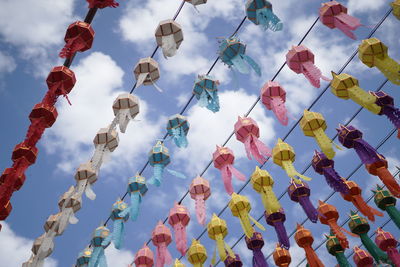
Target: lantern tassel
[[387, 178], [226, 172], [163, 256], [390, 68], [118, 233], [180, 238], [256, 148], [342, 260], [366, 152], [240, 65], [269, 200], [136, 199], [168, 45], [268, 20], [394, 214], [245, 223], [259, 258], [394, 256], [282, 235], [176, 174], [220, 246], [337, 231], [312, 258], [279, 108], [313, 74], [158, 171], [72, 46], [373, 249], [292, 173], [334, 181], [324, 143], [309, 209], [179, 137], [364, 208], [252, 63], [346, 24], [89, 192], [200, 209]]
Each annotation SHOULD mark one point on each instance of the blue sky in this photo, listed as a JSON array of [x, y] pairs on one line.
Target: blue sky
[[31, 35]]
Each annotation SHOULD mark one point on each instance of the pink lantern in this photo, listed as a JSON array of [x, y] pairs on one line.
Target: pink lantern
[[161, 238], [223, 159], [144, 257], [200, 192], [179, 218], [300, 59], [273, 96]]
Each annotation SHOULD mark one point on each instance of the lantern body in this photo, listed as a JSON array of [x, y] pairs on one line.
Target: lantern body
[[200, 186], [371, 50], [223, 156], [244, 127], [281, 256], [144, 257], [362, 257], [271, 90], [108, 138], [312, 121], [230, 48], [137, 184], [61, 80], [44, 112], [126, 101], [297, 191], [147, 66], [86, 172], [99, 235], [84, 257], [159, 155]]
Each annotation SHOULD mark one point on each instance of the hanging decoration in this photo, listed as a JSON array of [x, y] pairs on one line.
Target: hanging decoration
[[300, 192], [144, 257], [178, 128], [396, 8], [374, 53], [161, 238], [304, 239], [388, 243], [260, 13], [387, 202], [126, 107], [274, 214], [119, 215], [137, 188], [102, 3], [84, 258], [169, 37], [281, 256], [334, 15], [346, 87], [147, 72], [100, 241], [273, 96], [284, 156], [223, 159], [375, 163], [233, 261], [178, 263], [362, 258], [314, 125], [329, 215], [197, 254], [200, 191], [218, 230], [335, 248], [255, 243], [232, 53], [196, 2], [300, 59], [248, 132], [179, 218], [359, 226], [159, 159], [206, 91], [78, 38]]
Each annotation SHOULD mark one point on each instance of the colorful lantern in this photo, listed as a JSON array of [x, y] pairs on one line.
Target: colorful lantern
[[374, 53], [375, 163], [178, 263], [147, 72], [178, 128], [329, 215], [313, 124], [334, 15], [179, 218], [126, 108], [300, 59], [217, 230], [60, 81], [144, 257], [84, 258], [232, 53], [240, 207], [284, 156], [161, 238], [169, 37], [255, 244], [159, 159], [248, 132], [396, 8], [277, 220], [386, 102], [197, 254], [335, 248], [233, 261], [273, 96], [263, 184], [304, 239], [260, 13], [137, 188], [223, 159], [101, 240], [362, 258], [85, 176], [102, 3], [200, 192], [78, 38], [300, 192], [387, 242], [119, 215], [281, 256], [206, 91], [387, 202], [359, 226]]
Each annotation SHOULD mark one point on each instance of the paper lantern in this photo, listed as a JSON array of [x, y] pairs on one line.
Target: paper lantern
[[126, 108], [281, 256], [102, 3], [78, 38], [387, 242], [144, 257], [260, 13], [119, 215], [273, 96], [200, 191], [248, 132], [61, 80], [206, 91], [197, 254], [85, 176], [169, 37], [386, 102], [362, 258], [161, 237], [217, 230], [69, 203], [179, 219], [42, 249], [223, 159], [334, 247], [44, 112], [17, 183], [137, 188], [233, 261], [84, 258], [255, 244], [304, 239], [178, 128], [334, 15], [100, 241], [232, 53], [147, 72], [300, 59], [178, 263], [277, 220], [396, 8], [374, 53], [300, 192], [196, 2], [387, 202], [284, 156]]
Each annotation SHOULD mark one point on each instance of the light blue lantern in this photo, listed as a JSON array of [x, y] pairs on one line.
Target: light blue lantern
[[84, 258], [178, 128], [206, 91], [101, 239], [232, 53], [137, 188], [260, 13], [119, 215]]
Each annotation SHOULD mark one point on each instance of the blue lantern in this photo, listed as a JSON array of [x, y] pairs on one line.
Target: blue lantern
[[178, 127], [84, 258], [260, 13], [119, 215], [206, 91], [137, 188], [101, 239], [232, 53]]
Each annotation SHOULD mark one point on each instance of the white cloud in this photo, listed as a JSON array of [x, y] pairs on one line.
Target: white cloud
[[15, 249], [359, 6], [7, 63], [117, 257]]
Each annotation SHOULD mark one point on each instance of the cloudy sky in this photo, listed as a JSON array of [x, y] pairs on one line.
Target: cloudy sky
[[31, 35]]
